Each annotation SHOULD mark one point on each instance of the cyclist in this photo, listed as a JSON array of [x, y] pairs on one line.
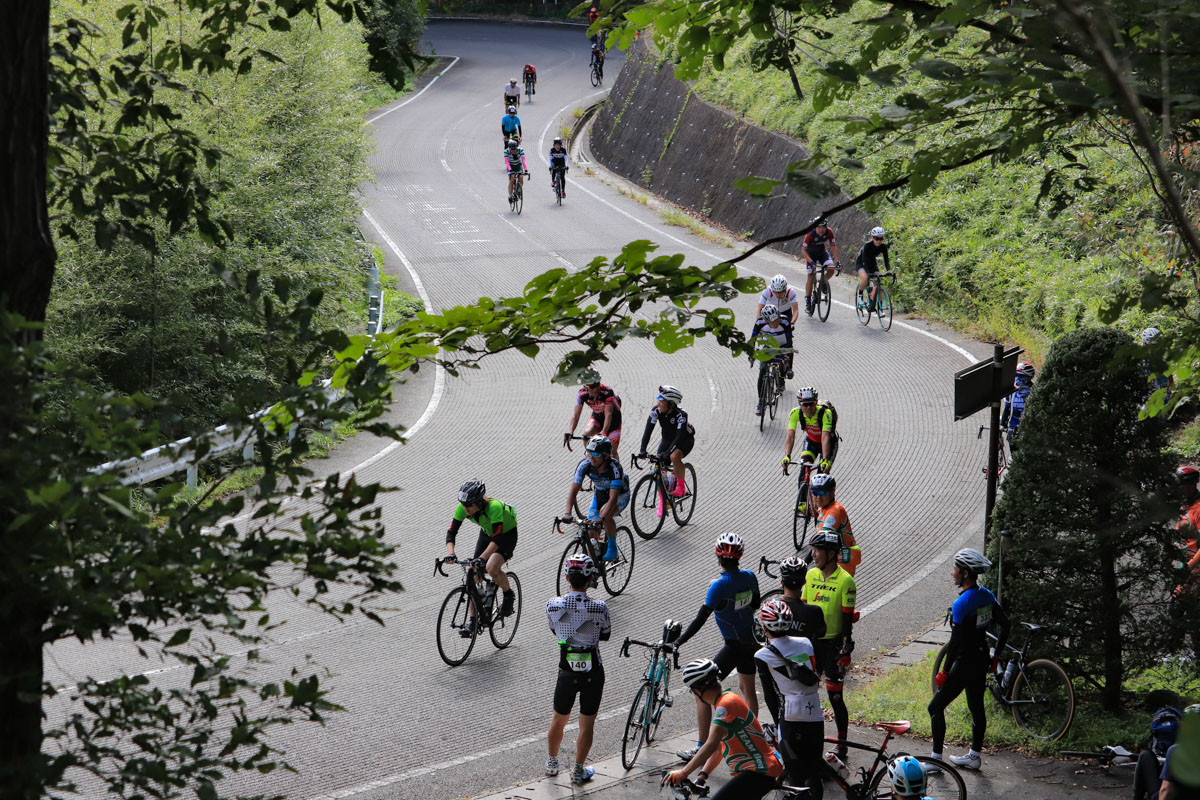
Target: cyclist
[[497, 539], [580, 624], [807, 620], [1181, 771], [788, 670], [1188, 528], [1014, 404], [832, 589], [817, 421], [866, 264], [512, 94], [832, 518], [510, 126], [605, 405], [816, 246], [529, 78], [593, 15], [598, 59], [678, 435], [557, 161], [968, 658], [733, 597], [611, 493], [782, 296], [753, 762], [771, 324], [907, 777], [514, 162]]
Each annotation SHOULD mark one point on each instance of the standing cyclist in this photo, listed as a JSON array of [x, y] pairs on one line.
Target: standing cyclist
[[557, 161], [782, 296], [497, 539], [832, 518], [580, 624], [817, 421], [866, 261], [605, 405], [678, 435], [815, 247], [510, 126], [611, 486], [1014, 404], [832, 589], [968, 658], [771, 324]]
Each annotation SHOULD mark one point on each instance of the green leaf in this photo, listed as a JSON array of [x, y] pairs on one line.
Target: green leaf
[[179, 637], [758, 186], [811, 182], [939, 69]]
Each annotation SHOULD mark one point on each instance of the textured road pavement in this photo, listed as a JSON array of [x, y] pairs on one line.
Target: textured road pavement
[[908, 475]]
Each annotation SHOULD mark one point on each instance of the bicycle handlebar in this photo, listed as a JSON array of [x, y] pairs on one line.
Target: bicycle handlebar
[[439, 564], [764, 565], [802, 463], [666, 647], [567, 437], [560, 521]]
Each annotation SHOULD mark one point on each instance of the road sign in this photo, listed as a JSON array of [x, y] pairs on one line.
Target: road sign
[[981, 384]]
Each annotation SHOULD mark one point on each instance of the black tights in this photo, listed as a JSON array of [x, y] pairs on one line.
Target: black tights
[[962, 676], [841, 717], [801, 744]]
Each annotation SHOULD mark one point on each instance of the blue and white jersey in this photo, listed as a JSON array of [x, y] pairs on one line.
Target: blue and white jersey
[[610, 477]]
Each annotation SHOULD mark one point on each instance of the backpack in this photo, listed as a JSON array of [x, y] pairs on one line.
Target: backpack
[[829, 408], [1164, 726]]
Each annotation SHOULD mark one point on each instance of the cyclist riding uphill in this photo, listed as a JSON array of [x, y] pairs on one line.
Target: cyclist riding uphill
[[866, 260], [497, 538], [678, 435], [512, 93], [1014, 404], [611, 493], [818, 422], [557, 161], [598, 59], [510, 126], [782, 296], [605, 405], [968, 658], [816, 246], [733, 597], [771, 325], [514, 162], [753, 762], [529, 77]]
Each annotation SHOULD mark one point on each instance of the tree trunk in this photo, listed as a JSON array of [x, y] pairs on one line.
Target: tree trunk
[[26, 247], [1110, 614], [20, 703]]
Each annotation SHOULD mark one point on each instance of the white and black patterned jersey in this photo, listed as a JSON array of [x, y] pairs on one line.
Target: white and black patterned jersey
[[579, 621]]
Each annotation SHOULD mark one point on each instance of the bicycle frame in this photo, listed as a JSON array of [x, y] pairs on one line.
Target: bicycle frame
[[657, 465], [585, 534], [1018, 656], [476, 601]]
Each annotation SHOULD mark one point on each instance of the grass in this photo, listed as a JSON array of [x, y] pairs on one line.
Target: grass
[[678, 218], [564, 131], [577, 113]]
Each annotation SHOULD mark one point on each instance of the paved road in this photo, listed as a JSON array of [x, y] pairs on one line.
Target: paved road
[[910, 477]]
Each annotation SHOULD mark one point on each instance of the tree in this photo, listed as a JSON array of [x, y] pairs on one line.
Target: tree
[[1088, 504]]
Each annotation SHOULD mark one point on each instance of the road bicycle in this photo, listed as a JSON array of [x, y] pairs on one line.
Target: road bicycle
[[517, 199], [804, 510], [1001, 452], [883, 301], [560, 184], [597, 73], [1038, 692], [654, 695], [615, 574], [822, 295], [528, 91], [455, 635], [652, 496], [1108, 757], [583, 498], [770, 389]]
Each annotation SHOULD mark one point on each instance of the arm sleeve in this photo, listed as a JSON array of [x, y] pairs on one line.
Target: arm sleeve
[[887, 263], [1005, 412], [848, 624], [816, 622], [770, 693], [648, 433], [698, 623], [523, 164], [452, 531], [953, 646]]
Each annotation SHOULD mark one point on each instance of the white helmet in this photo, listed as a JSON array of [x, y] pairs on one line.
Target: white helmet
[[775, 615], [580, 564], [878, 231], [1149, 335], [778, 283], [700, 671], [806, 394], [770, 313], [972, 561], [670, 394], [512, 109]]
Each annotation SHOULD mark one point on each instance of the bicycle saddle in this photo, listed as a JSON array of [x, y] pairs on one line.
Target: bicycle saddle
[[898, 727]]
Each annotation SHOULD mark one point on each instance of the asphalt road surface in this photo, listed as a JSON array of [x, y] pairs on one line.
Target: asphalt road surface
[[414, 728]]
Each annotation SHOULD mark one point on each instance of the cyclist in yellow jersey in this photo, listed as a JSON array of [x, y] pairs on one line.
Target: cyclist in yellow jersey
[[832, 516], [817, 422], [832, 589]]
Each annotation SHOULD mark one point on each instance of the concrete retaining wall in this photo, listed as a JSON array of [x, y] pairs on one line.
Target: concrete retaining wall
[[655, 131]]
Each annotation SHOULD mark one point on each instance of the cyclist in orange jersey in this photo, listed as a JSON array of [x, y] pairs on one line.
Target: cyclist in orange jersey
[[832, 517]]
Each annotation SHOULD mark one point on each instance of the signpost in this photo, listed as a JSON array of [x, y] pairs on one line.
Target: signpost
[[979, 386]]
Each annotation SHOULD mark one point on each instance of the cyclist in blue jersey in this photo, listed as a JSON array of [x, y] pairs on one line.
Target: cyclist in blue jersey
[[510, 126], [611, 485], [968, 657], [733, 597], [1014, 404]]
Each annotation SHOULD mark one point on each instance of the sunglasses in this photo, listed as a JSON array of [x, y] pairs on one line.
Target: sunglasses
[[808, 403], [819, 492]]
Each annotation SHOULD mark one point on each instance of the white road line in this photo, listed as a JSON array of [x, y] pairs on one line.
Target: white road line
[[415, 96], [517, 228], [716, 395], [554, 117]]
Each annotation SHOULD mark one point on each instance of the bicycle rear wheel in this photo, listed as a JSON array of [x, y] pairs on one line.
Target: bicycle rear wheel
[[635, 727], [583, 498], [503, 629], [454, 616], [646, 508], [682, 507], [861, 301], [616, 572], [802, 517], [941, 780], [824, 299], [883, 307], [1044, 700]]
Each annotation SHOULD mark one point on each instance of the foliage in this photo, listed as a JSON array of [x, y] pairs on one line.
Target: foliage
[[1091, 554], [395, 26]]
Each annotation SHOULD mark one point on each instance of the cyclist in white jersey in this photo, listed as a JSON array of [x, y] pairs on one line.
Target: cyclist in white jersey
[[782, 296]]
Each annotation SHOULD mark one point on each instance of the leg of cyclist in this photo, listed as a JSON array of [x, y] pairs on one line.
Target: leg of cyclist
[[677, 455], [745, 786], [801, 748], [810, 269], [862, 277], [952, 688], [498, 550], [827, 662], [763, 388]]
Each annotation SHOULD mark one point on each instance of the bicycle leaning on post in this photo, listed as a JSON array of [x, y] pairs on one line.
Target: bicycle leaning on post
[[804, 513], [882, 307], [615, 574], [476, 597], [654, 695], [652, 496], [1038, 692]]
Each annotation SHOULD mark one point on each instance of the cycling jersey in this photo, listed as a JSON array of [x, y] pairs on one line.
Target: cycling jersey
[[607, 399], [494, 518], [807, 621], [834, 595], [769, 298], [833, 518], [814, 426], [510, 123], [610, 476], [971, 615], [529, 73], [733, 597], [815, 244], [580, 623], [557, 159], [512, 90], [675, 427], [781, 331], [869, 253], [1014, 407], [743, 746], [514, 161], [801, 702]]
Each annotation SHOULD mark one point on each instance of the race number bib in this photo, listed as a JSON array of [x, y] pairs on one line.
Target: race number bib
[[741, 600], [579, 662]]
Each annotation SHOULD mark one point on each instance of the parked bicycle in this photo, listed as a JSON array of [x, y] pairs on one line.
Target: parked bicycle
[[770, 389], [822, 294], [1001, 452], [615, 574], [1108, 757], [652, 496], [654, 695], [804, 510], [1038, 692], [583, 498], [883, 301], [476, 597]]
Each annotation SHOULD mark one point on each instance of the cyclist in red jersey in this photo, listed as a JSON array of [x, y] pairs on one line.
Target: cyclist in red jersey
[[605, 405], [1188, 527], [529, 77], [817, 246]]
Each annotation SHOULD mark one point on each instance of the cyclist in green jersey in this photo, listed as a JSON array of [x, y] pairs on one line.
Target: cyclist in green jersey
[[820, 439], [497, 538], [832, 589]]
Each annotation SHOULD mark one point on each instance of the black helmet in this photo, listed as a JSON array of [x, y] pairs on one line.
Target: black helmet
[[792, 570], [671, 630], [471, 493], [826, 540], [558, 140], [599, 446]]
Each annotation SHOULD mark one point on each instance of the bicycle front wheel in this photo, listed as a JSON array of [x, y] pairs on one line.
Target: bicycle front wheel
[[503, 629], [802, 517], [453, 647], [595, 78], [635, 727], [616, 572], [861, 299], [824, 299], [519, 203], [883, 307], [646, 508], [941, 780], [1043, 700], [682, 507]]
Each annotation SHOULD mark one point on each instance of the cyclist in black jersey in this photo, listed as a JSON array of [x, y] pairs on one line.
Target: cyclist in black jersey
[[678, 435], [867, 260]]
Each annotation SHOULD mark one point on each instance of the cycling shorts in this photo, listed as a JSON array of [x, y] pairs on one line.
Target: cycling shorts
[[596, 423], [594, 511], [810, 267], [684, 443], [506, 543], [814, 449], [511, 100], [826, 653], [589, 686], [870, 270], [736, 654]]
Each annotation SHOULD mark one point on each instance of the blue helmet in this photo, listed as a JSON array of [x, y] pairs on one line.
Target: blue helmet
[[907, 776]]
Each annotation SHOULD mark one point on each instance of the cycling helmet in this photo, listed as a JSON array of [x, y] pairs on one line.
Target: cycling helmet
[[471, 493], [590, 378], [770, 313], [700, 672], [775, 615], [778, 283], [823, 482], [580, 564], [511, 109], [792, 568], [820, 222], [972, 561], [1026, 371], [806, 394], [729, 545], [907, 777], [599, 446], [1187, 476], [671, 630], [878, 232], [512, 143], [826, 540], [1150, 334], [557, 140], [670, 394]]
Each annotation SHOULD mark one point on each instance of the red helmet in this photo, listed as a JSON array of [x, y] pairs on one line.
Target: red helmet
[[1187, 476], [729, 545], [775, 615]]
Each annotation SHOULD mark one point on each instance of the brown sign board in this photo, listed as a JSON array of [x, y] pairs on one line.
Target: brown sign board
[[983, 383]]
